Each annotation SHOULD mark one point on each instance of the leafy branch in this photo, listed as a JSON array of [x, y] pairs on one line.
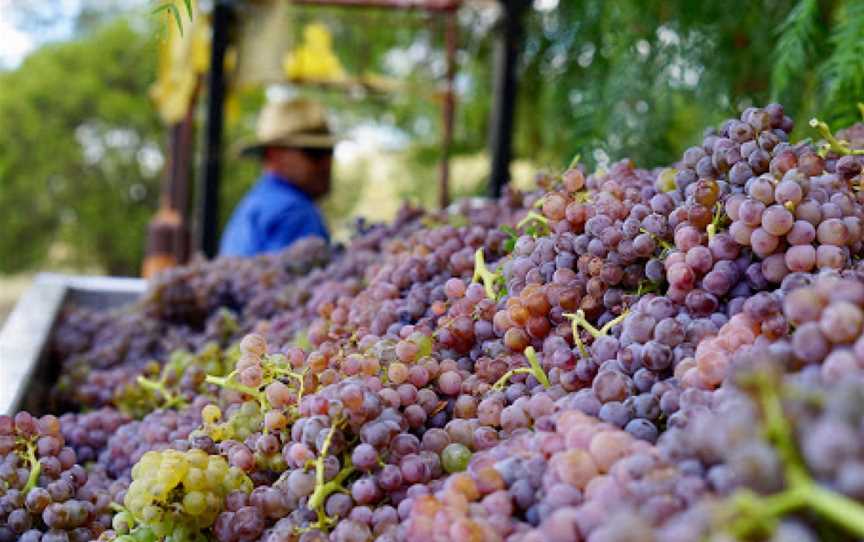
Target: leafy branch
[[843, 70], [796, 45], [169, 7]]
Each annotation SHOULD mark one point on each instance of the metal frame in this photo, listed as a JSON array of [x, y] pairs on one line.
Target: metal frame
[[505, 84], [25, 377], [208, 225]]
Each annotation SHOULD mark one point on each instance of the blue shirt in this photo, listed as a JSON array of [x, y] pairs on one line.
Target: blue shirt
[[271, 216]]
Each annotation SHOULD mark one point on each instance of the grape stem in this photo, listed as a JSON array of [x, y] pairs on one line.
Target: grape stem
[[752, 512], [716, 221], [228, 382], [299, 377], [664, 244], [645, 286], [531, 217], [490, 280], [840, 509], [322, 489], [170, 400], [579, 318], [835, 145], [535, 224], [577, 339], [535, 369], [35, 467]]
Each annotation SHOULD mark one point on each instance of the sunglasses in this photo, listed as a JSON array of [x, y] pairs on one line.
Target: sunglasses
[[318, 153]]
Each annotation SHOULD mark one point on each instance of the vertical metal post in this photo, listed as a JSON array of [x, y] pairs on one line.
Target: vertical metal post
[[208, 226], [448, 109], [181, 189], [507, 44]]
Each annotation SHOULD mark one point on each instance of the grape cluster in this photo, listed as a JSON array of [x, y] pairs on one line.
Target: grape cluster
[[44, 494], [89, 432], [824, 320], [159, 430], [563, 483], [625, 354], [174, 495]]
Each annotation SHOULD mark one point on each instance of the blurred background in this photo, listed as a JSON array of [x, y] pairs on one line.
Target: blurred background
[[95, 96]]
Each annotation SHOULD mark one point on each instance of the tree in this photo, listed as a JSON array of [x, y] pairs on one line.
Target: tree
[[641, 79], [80, 152]]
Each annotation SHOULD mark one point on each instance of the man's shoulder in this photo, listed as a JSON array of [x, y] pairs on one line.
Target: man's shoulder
[[270, 196], [281, 207]]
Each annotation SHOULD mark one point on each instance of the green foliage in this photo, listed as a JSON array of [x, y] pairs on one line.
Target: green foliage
[[796, 45], [79, 152], [843, 71], [642, 79]]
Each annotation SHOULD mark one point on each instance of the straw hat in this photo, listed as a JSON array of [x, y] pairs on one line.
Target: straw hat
[[294, 123]]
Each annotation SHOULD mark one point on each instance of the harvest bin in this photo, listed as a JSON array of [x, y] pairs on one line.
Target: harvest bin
[[25, 377]]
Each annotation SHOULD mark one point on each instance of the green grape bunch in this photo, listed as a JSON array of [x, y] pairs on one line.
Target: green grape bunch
[[177, 495]]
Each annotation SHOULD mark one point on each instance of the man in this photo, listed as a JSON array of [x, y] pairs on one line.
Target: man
[[295, 147]]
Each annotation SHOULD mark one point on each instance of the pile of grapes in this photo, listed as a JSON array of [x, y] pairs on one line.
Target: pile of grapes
[[627, 355]]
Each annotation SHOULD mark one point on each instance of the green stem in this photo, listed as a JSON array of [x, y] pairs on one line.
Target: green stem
[[838, 508], [536, 369], [715, 221], [803, 491], [501, 382], [531, 216], [228, 382], [35, 467], [322, 489], [577, 340], [778, 430], [583, 196], [482, 273], [664, 244], [753, 513], [299, 377], [325, 490], [170, 400], [837, 146], [612, 323], [580, 319], [645, 286]]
